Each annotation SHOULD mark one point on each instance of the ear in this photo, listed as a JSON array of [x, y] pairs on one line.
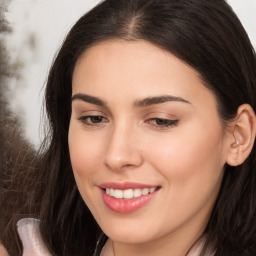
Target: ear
[[242, 135]]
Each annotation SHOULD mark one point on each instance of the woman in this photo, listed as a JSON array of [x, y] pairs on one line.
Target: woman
[[152, 126]]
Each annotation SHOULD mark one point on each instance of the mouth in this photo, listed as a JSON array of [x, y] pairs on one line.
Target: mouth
[[129, 193], [127, 197]]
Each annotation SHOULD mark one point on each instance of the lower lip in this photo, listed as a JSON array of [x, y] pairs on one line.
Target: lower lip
[[126, 205]]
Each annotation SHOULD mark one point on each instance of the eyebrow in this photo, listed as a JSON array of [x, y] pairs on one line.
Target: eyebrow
[[137, 103], [89, 99], [158, 100]]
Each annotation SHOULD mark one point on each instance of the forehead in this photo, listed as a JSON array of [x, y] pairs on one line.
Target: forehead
[[136, 67]]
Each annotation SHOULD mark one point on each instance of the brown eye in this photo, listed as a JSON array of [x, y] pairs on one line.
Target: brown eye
[[92, 120], [162, 122], [95, 119]]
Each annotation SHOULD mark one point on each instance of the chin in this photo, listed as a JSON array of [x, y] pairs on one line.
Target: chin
[[129, 233], [130, 238]]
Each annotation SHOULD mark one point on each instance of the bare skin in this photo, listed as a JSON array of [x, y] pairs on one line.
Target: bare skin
[[3, 251], [122, 133]]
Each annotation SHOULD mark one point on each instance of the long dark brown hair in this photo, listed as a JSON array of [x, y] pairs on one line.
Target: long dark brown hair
[[208, 36]]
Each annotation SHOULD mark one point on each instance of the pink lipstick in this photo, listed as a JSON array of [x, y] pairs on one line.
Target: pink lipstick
[[127, 197]]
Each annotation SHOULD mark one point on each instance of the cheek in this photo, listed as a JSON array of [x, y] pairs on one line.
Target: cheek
[[197, 147], [192, 172], [84, 152], [85, 156], [191, 162]]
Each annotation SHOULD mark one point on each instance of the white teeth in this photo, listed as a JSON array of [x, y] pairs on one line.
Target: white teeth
[[145, 191], [129, 193], [137, 192], [119, 193], [112, 192], [151, 190]]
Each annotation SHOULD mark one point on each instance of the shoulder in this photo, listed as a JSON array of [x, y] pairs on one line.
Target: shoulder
[[30, 236]]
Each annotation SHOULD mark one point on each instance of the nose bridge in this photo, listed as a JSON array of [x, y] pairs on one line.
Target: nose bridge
[[123, 147]]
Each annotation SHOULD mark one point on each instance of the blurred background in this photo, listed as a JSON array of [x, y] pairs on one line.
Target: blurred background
[[37, 29]]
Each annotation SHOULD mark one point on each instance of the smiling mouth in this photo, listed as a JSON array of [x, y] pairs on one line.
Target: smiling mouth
[[129, 197], [129, 193]]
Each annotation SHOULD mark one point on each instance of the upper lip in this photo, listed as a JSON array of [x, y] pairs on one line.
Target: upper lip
[[125, 185]]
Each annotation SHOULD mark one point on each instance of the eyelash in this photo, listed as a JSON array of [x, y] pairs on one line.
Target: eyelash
[[157, 123], [85, 120], [164, 123]]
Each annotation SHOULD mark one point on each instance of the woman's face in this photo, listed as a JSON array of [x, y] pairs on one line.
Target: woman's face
[[146, 142]]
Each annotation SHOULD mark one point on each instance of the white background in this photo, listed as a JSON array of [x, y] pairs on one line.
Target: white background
[[38, 28]]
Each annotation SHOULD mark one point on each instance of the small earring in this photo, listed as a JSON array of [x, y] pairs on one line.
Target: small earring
[[237, 142]]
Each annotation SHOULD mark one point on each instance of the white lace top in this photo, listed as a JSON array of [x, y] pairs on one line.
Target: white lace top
[[33, 244]]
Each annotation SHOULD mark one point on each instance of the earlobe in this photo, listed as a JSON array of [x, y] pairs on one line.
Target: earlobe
[[243, 135]]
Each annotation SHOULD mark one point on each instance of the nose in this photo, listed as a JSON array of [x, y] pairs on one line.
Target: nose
[[123, 149]]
